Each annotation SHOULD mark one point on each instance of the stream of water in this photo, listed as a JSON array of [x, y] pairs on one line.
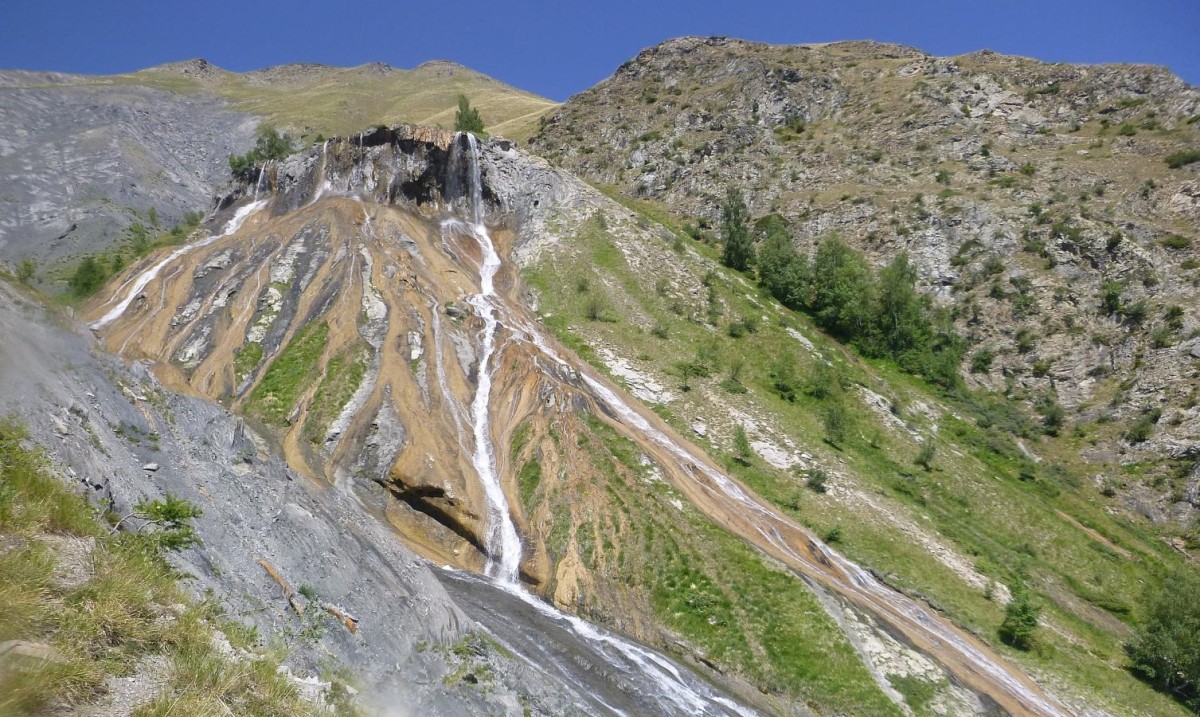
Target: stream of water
[[138, 283], [671, 689]]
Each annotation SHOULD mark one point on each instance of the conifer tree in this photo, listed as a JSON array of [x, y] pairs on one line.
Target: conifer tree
[[467, 118], [738, 247]]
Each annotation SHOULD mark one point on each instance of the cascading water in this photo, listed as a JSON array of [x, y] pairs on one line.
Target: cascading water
[[673, 690], [502, 542], [141, 280], [772, 527], [262, 179]]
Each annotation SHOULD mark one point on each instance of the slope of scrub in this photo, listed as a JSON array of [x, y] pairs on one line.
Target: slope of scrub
[[709, 353], [1047, 206], [314, 99]]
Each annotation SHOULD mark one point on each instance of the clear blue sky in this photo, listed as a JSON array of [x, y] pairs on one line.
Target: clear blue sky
[[557, 48]]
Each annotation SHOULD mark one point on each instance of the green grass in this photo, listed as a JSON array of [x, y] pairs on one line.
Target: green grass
[[247, 359], [289, 375], [121, 613], [344, 101], [342, 378], [918, 692]]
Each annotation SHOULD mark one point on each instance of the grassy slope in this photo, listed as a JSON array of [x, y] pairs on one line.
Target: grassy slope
[[337, 101], [974, 498], [110, 624], [729, 604]]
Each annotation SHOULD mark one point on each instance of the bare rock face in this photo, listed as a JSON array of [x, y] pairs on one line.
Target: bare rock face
[[80, 157]]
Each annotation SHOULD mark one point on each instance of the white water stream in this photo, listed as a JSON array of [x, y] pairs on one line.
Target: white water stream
[[141, 280], [676, 691]]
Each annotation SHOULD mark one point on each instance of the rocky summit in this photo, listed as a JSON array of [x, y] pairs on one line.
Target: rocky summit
[[755, 380]]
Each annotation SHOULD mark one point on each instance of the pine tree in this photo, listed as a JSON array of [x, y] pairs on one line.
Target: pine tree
[[88, 277], [741, 446], [467, 118], [1020, 618], [738, 247]]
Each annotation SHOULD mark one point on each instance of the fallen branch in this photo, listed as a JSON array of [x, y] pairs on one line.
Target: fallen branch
[[347, 619], [292, 597]]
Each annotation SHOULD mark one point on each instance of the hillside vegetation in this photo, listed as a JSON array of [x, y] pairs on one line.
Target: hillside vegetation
[[1050, 210], [313, 100], [96, 621]]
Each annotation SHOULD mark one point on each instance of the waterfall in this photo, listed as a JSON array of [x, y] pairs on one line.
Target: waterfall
[[262, 180], [772, 527], [147, 276], [674, 691], [502, 542]]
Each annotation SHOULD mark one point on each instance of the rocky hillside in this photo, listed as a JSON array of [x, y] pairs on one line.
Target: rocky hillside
[[342, 313], [683, 496], [1041, 203], [84, 158]]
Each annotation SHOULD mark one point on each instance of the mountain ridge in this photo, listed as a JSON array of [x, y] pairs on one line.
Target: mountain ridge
[[680, 452]]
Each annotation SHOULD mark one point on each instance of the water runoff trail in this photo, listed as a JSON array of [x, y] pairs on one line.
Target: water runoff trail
[[133, 286], [647, 682], [962, 655]]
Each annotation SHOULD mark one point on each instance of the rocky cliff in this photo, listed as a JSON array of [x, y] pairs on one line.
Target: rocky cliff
[[82, 161]]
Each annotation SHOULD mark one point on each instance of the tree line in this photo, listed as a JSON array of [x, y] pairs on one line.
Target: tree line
[[880, 313]]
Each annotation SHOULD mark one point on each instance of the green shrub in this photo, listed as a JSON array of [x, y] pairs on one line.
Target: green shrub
[[1020, 618], [1165, 650], [925, 456], [269, 145], [742, 451], [981, 362], [89, 276], [815, 479], [1110, 296], [1175, 241], [1182, 158], [26, 269], [836, 421]]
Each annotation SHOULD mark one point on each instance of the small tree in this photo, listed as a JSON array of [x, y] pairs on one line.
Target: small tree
[[737, 246], [837, 422], [467, 118], [815, 479], [741, 446], [171, 520], [783, 377], [26, 269], [88, 277], [1165, 650], [925, 456], [1020, 618]]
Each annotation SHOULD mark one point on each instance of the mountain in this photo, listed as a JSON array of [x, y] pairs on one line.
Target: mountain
[[472, 434], [1037, 202], [148, 148], [311, 99]]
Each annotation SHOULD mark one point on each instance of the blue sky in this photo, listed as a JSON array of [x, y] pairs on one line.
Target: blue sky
[[557, 48]]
